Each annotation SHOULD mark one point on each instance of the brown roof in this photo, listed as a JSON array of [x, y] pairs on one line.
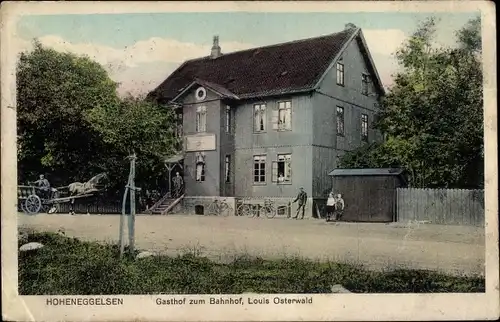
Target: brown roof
[[271, 70]]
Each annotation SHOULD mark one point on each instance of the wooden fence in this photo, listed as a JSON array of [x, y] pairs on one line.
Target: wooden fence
[[441, 206]]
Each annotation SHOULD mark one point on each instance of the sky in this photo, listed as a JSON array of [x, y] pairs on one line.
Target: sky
[[140, 50]]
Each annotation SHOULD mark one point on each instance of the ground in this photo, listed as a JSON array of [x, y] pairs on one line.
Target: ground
[[451, 249]]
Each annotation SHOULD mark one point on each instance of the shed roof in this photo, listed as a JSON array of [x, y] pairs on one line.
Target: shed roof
[[367, 172]]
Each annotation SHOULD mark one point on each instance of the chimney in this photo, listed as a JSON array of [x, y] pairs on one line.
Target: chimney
[[350, 26], [215, 48]]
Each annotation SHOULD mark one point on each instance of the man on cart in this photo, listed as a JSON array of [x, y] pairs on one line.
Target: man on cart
[[43, 186]]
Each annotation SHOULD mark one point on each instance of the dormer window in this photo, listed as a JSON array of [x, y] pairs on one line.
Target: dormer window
[[340, 73]]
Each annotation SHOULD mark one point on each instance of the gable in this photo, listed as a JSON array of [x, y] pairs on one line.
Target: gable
[[357, 60], [200, 90]]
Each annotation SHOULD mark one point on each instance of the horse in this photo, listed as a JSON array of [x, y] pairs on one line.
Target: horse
[[78, 188]]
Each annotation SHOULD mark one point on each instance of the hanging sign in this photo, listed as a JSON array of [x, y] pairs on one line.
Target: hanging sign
[[204, 142]]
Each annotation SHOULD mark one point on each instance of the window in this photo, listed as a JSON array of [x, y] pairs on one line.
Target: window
[[227, 169], [364, 127], [340, 73], [259, 169], [259, 117], [340, 121], [365, 81], [200, 167], [228, 119], [285, 115], [178, 128], [201, 119], [282, 169]]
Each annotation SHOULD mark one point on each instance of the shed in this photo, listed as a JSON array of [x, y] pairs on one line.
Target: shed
[[369, 194]]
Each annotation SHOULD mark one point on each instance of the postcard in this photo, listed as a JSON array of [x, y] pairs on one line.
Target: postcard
[[249, 161]]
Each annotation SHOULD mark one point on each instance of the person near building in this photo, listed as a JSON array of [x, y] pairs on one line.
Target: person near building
[[178, 185], [302, 199], [339, 207], [330, 206]]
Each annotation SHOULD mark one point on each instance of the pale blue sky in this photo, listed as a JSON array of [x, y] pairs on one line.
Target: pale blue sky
[[159, 42]]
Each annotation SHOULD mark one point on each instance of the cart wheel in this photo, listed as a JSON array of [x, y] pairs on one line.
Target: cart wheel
[[22, 207], [33, 204]]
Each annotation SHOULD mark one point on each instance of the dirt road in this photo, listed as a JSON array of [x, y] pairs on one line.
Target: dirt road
[[453, 249]]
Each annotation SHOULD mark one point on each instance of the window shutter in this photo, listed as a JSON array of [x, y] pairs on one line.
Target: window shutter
[[275, 117], [289, 169], [288, 124], [274, 172]]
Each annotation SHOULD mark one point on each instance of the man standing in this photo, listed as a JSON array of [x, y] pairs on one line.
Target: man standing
[[178, 183], [302, 199]]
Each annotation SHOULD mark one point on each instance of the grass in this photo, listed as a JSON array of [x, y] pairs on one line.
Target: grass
[[70, 266]]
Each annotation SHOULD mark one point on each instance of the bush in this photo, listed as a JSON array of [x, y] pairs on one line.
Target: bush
[[69, 266]]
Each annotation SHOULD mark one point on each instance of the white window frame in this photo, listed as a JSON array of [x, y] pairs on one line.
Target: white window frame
[[261, 161], [340, 121], [364, 127], [365, 84], [201, 118], [259, 117], [286, 176], [178, 127], [340, 73], [228, 119], [200, 164], [284, 110]]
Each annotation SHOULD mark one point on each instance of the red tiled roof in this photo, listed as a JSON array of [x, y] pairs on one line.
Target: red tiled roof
[[264, 71]]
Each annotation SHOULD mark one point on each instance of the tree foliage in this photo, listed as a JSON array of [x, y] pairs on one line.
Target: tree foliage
[[72, 124], [433, 116], [136, 126], [53, 91]]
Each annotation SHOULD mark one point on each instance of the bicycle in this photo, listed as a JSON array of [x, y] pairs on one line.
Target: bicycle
[[219, 208], [269, 209], [247, 210]]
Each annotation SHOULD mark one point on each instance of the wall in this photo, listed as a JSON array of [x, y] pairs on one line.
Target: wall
[[226, 147], [272, 142], [211, 185], [368, 198], [441, 206], [328, 146], [301, 172]]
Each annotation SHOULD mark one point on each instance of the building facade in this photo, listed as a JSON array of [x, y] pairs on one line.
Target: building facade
[[261, 123]]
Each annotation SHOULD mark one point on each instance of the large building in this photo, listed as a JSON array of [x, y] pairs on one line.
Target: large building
[[266, 121]]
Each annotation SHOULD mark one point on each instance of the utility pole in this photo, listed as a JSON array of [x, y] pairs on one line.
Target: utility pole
[[122, 218], [129, 188], [132, 203]]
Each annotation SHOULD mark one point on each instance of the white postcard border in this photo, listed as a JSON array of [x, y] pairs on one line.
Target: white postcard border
[[346, 307]]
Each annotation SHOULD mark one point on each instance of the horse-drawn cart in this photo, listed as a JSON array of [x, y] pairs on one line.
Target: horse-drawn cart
[[33, 200]]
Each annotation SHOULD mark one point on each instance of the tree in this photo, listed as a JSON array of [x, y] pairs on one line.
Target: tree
[[433, 116], [135, 126], [53, 91]]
